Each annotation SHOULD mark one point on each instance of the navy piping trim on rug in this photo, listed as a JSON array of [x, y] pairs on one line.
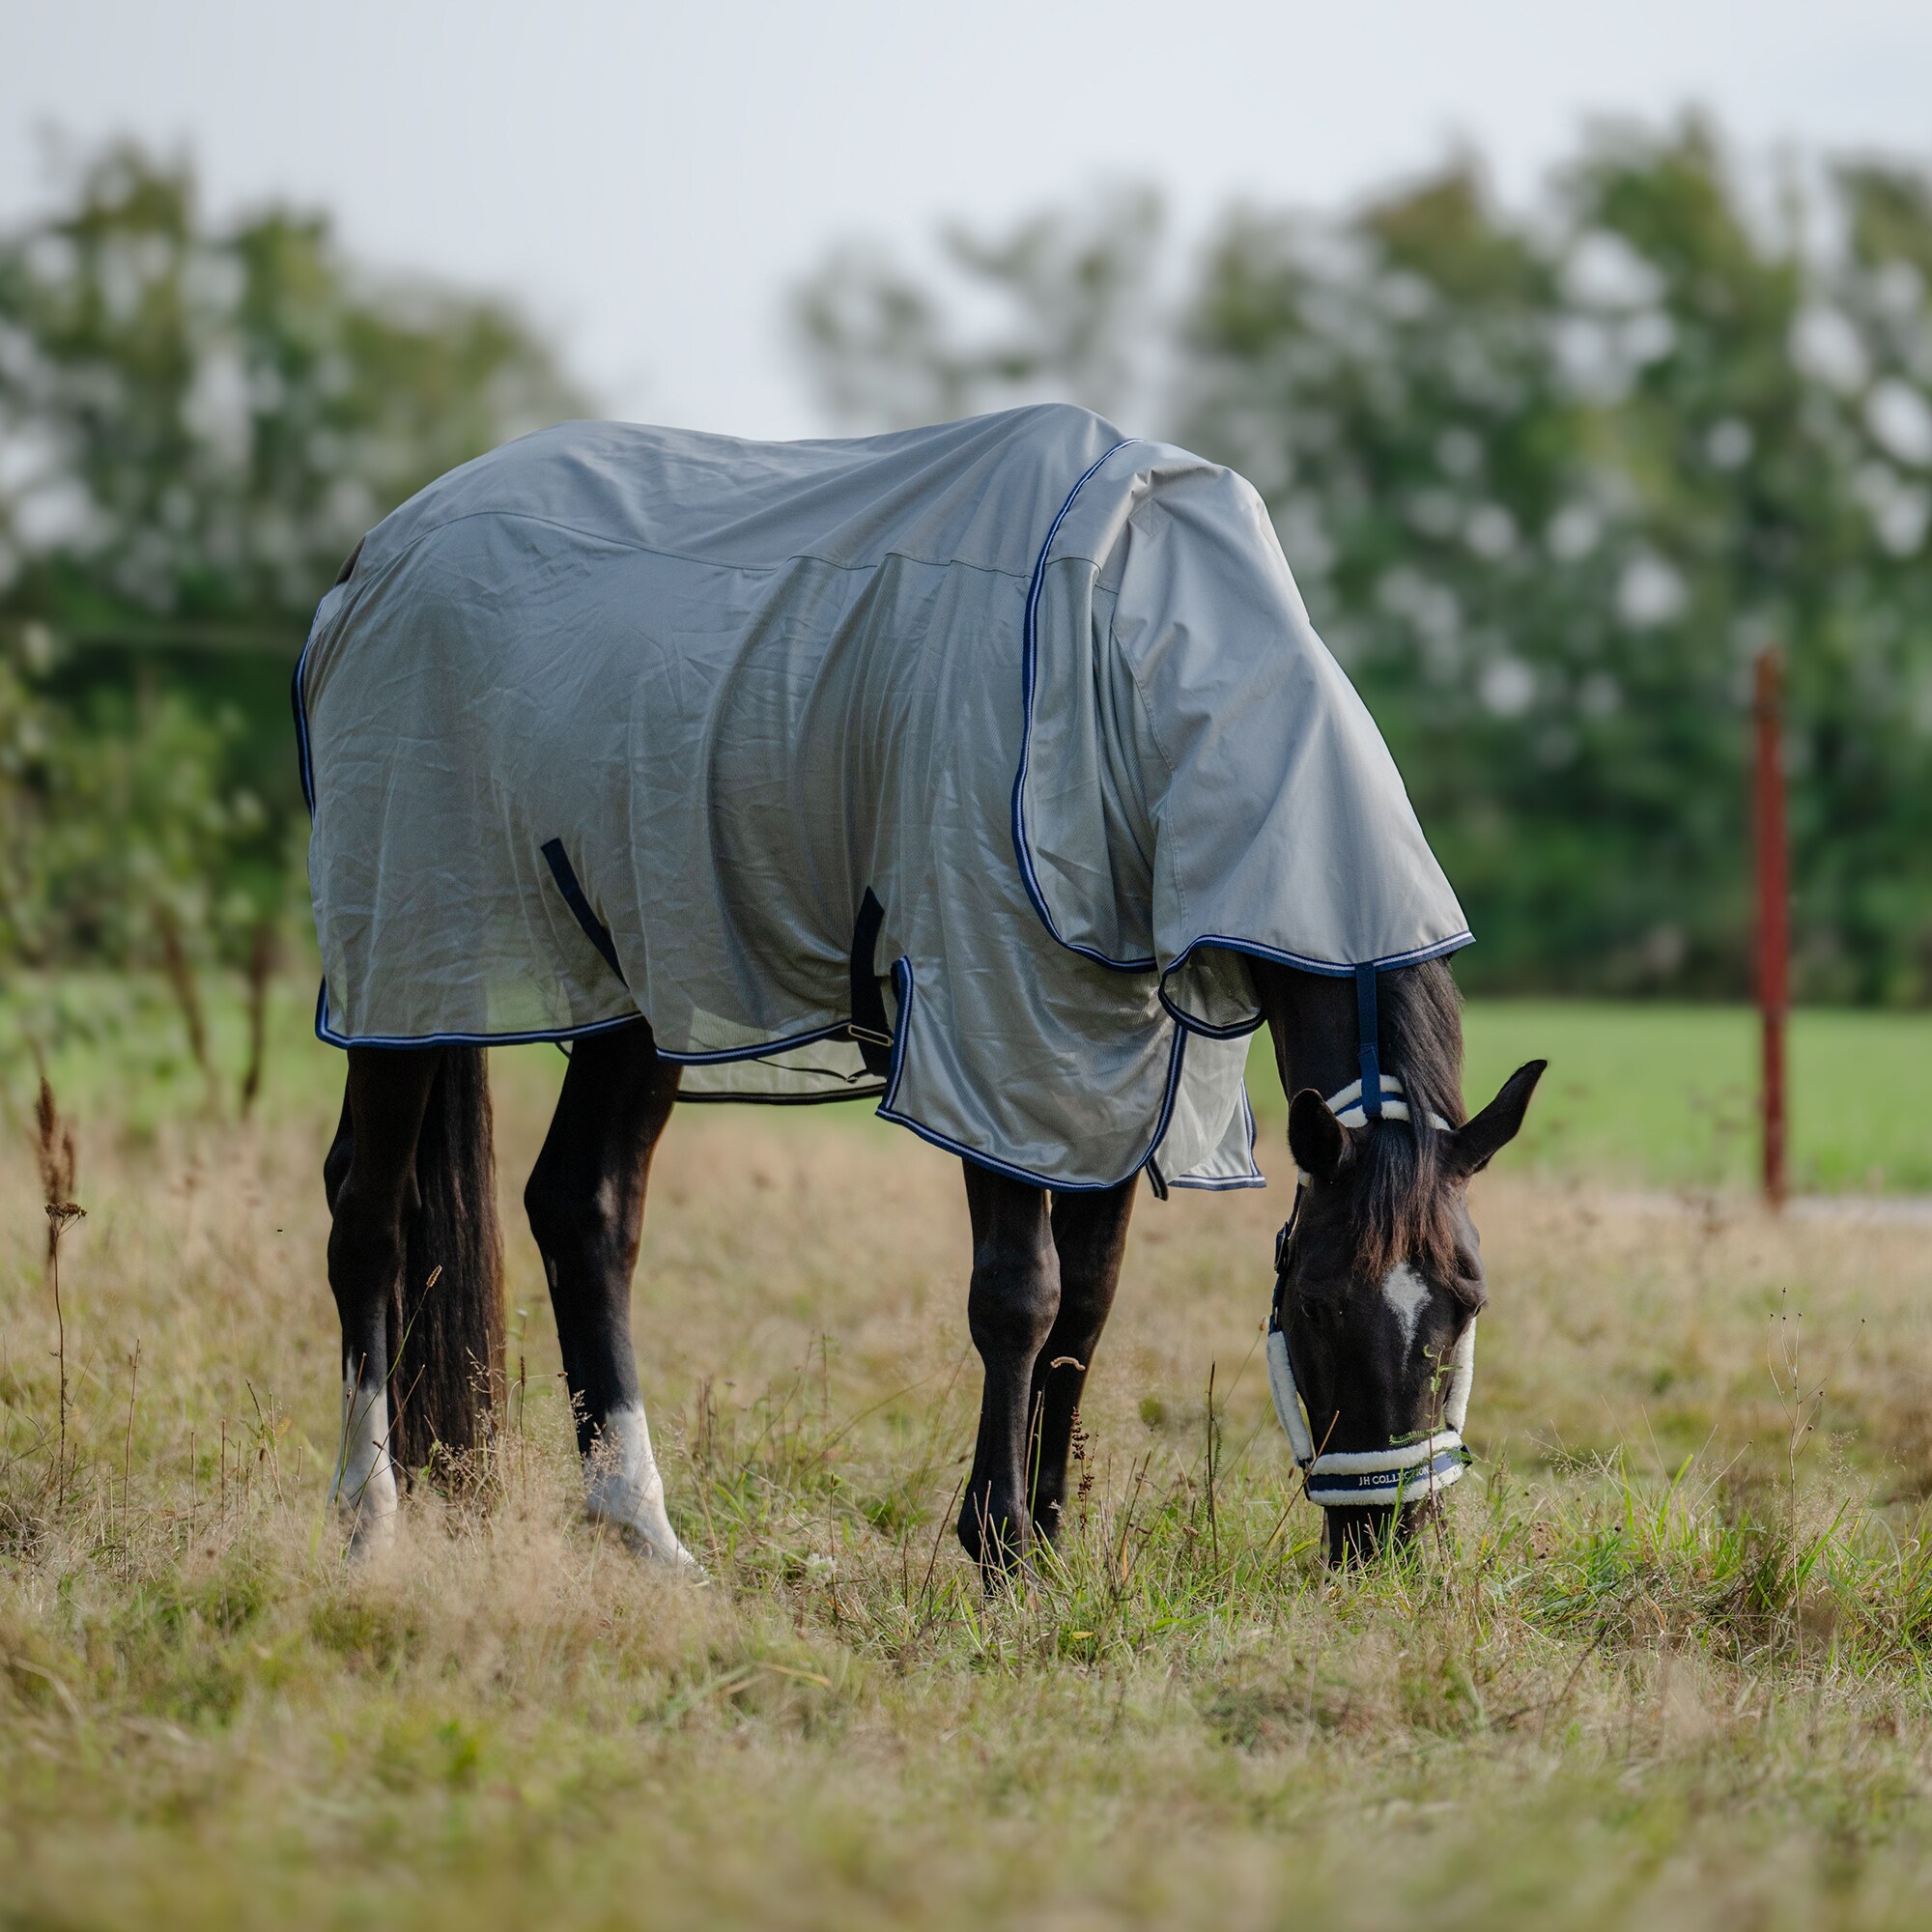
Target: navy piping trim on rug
[[1240, 1031], [870, 1091], [594, 928], [899, 1029], [542, 1035], [1436, 949], [552, 1036], [903, 984], [757, 1051], [299, 698], [304, 770], [1028, 639]]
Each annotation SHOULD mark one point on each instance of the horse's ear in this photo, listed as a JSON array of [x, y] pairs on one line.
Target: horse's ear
[[1318, 1142], [1472, 1145]]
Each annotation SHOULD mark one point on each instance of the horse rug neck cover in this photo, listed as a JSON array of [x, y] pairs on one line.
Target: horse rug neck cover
[[1369, 1478], [620, 721]]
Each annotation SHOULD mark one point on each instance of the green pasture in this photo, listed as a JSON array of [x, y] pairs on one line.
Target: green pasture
[[1637, 1094], [1671, 1093], [1667, 1095]]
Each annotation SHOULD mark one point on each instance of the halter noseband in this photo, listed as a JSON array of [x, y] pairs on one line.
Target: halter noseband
[[1368, 1478]]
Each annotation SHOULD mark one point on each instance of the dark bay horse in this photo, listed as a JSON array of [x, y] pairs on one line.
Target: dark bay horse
[[690, 752], [1382, 1276]]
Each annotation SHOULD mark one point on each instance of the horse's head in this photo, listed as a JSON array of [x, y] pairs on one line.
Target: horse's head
[[1379, 1284]]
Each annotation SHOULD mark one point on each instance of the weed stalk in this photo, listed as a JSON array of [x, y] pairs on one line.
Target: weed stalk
[[58, 1161], [127, 1460]]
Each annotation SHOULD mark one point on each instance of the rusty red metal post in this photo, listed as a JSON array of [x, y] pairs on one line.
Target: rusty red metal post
[[1774, 914]]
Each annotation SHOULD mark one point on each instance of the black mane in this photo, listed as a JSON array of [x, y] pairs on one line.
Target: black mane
[[1401, 1207]]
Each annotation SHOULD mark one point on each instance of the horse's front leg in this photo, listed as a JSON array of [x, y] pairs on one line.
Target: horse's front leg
[[585, 1201], [1089, 1237], [1010, 1309], [368, 1178]]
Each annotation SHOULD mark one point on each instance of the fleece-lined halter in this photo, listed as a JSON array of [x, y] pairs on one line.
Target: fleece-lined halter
[[1368, 1478]]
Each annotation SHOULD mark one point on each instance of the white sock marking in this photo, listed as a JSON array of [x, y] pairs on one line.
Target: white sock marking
[[365, 1479], [1406, 1293], [624, 1486]]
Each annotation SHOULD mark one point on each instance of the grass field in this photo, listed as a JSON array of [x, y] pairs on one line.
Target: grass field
[[1667, 1666]]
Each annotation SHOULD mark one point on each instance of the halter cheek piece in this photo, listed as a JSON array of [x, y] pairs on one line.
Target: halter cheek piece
[[1369, 1478]]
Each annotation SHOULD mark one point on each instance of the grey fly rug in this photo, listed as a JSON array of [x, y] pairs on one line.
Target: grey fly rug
[[1006, 740]]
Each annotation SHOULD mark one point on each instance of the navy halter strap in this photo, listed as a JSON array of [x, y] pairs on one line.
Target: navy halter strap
[[1368, 1032]]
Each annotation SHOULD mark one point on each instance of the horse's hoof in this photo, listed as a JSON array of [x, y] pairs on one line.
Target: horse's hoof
[[653, 1542], [370, 1533]]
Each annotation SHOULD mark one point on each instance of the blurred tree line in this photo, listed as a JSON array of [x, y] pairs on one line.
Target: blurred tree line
[[197, 423], [1549, 478]]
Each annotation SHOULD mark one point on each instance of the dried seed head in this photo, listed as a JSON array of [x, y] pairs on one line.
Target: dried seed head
[[53, 1146]]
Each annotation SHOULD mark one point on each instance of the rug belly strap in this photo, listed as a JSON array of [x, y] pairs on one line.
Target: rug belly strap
[[869, 1024]]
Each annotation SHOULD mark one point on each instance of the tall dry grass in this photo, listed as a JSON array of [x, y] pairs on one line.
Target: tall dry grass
[[1667, 1665]]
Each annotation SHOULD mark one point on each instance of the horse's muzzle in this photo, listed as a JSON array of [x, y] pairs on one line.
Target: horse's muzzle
[[1363, 1535]]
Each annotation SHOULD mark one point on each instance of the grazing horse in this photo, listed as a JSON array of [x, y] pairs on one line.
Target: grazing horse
[[992, 771]]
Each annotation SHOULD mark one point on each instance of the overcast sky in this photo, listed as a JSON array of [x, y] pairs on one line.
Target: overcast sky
[[647, 180]]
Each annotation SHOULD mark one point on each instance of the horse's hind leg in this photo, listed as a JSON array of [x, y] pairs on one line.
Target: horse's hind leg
[[585, 1200], [1089, 1237], [1010, 1311], [368, 1178]]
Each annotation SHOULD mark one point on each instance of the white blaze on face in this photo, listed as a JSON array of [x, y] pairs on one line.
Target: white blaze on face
[[624, 1486], [1406, 1294], [365, 1479]]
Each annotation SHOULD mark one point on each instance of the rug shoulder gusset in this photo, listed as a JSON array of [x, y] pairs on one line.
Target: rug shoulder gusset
[[1199, 774]]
